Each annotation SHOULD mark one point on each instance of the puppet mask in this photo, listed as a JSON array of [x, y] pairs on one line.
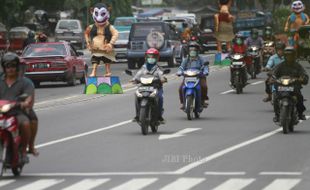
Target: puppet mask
[[101, 14], [298, 6]]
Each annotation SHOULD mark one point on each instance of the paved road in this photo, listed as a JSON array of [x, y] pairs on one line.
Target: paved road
[[92, 144]]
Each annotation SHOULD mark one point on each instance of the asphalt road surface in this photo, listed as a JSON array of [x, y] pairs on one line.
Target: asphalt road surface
[[89, 142]]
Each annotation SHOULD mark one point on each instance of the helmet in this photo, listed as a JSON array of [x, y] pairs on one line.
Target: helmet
[[290, 54], [31, 34], [10, 58], [193, 44], [42, 37], [254, 33], [152, 55], [268, 31], [193, 48], [280, 45]]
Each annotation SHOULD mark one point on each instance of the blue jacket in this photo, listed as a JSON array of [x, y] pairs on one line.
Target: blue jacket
[[193, 64], [274, 61]]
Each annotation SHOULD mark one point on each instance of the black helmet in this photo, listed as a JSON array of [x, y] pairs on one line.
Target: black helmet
[[31, 34], [10, 58], [268, 30], [280, 45], [193, 44], [290, 53]]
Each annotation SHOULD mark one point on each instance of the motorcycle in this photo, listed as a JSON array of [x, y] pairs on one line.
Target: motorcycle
[[268, 51], [192, 93], [148, 101], [253, 67], [238, 72], [285, 89], [11, 156]]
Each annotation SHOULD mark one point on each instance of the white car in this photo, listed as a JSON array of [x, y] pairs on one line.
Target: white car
[[120, 46]]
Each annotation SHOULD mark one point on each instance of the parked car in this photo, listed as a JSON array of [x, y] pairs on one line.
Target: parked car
[[159, 35], [4, 40], [70, 30], [17, 36], [53, 61], [124, 23], [120, 46]]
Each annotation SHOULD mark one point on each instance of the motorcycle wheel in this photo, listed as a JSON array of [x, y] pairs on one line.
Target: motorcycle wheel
[[144, 120], [238, 85], [3, 152], [285, 123], [189, 107], [253, 72]]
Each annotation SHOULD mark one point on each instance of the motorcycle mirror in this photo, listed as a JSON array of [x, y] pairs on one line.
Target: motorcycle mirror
[[128, 72], [167, 71]]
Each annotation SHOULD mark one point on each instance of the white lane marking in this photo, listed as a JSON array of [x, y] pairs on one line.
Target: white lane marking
[[40, 184], [235, 184], [283, 184], [56, 100], [225, 173], [225, 151], [6, 182], [181, 133], [227, 92], [87, 184], [136, 184], [183, 184], [81, 174], [83, 134], [280, 173], [256, 83]]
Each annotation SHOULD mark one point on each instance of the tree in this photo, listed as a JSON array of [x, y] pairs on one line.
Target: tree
[[10, 12]]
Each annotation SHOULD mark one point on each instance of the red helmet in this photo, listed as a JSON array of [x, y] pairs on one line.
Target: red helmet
[[152, 51]]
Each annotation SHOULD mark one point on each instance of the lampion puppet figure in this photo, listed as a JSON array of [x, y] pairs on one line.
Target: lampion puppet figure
[[297, 19], [100, 38], [224, 25]]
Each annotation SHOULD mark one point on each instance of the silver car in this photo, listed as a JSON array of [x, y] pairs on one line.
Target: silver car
[[120, 46], [70, 30]]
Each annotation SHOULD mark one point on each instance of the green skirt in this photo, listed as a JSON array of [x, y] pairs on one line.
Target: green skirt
[[226, 32]]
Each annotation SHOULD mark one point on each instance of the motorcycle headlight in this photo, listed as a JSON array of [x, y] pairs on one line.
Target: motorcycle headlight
[[285, 82]]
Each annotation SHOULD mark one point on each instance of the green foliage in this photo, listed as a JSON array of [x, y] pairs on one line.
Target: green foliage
[[279, 18]]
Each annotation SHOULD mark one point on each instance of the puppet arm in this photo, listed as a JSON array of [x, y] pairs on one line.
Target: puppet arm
[[216, 22], [287, 24], [87, 37]]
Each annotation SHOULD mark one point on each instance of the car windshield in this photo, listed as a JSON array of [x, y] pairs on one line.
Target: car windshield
[[123, 36], [41, 50], [123, 22], [144, 30], [68, 25]]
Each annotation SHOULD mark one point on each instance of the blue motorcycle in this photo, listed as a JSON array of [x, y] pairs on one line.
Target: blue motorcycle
[[192, 93]]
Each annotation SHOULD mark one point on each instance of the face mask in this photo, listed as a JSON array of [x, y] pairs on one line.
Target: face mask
[[151, 60], [239, 41], [193, 53]]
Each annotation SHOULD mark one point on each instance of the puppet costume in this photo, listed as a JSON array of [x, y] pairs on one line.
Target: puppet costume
[[295, 20], [100, 38], [224, 31]]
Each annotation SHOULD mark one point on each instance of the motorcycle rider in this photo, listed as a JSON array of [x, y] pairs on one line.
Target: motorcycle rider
[[11, 87], [290, 67], [151, 67], [30, 40], [273, 61], [255, 40], [268, 34], [194, 61]]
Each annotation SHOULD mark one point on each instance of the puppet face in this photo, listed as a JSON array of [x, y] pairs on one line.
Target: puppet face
[[100, 14], [298, 6]]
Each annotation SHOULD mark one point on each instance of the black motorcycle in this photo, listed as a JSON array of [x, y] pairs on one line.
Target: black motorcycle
[[148, 101], [285, 90], [254, 68], [238, 72]]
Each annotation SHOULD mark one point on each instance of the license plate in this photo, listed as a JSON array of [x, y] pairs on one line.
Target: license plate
[[73, 41], [146, 88], [285, 89], [191, 79], [237, 63], [40, 66]]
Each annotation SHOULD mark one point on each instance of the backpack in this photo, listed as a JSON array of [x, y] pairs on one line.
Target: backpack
[[107, 32]]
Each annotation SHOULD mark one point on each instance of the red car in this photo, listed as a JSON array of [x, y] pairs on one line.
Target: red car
[[53, 61]]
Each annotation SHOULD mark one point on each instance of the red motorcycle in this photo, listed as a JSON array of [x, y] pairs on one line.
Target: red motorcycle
[[11, 156]]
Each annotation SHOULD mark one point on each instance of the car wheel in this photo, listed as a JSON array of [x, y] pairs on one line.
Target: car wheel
[[131, 64], [72, 79], [82, 80]]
